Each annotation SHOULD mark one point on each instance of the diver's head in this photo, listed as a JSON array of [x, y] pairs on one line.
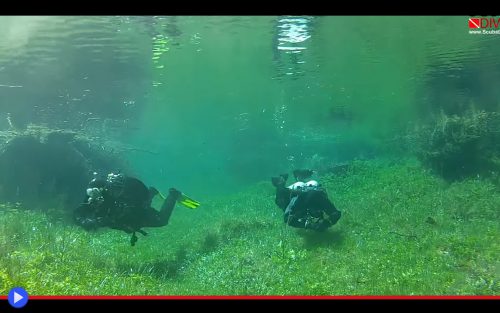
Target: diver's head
[[94, 192], [95, 195], [302, 174], [114, 178], [97, 183]]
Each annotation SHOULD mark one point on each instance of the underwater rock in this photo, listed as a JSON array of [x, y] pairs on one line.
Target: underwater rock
[[48, 169]]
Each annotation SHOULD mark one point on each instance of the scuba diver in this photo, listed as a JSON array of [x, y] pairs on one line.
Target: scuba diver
[[124, 203], [305, 204]]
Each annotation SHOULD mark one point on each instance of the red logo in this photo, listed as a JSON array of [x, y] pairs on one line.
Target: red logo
[[484, 22], [474, 23]]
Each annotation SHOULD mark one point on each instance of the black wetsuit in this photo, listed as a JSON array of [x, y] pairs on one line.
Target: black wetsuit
[[124, 203], [308, 208]]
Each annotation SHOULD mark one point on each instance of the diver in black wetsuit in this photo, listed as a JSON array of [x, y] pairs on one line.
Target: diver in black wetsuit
[[305, 204], [124, 203]]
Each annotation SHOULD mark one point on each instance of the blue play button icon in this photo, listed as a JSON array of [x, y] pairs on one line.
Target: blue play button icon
[[18, 297]]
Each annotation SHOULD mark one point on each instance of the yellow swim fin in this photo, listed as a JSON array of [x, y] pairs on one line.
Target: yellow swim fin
[[183, 199], [188, 202]]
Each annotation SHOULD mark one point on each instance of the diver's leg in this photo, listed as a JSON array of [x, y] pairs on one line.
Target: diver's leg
[[153, 218], [319, 200], [168, 205]]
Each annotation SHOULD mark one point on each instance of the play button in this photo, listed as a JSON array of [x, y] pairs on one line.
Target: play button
[[18, 297]]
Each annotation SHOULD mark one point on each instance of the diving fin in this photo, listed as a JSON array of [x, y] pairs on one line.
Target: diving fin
[[188, 202], [182, 198]]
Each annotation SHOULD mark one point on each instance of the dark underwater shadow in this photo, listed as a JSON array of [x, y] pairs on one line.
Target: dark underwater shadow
[[164, 268], [314, 239], [170, 268]]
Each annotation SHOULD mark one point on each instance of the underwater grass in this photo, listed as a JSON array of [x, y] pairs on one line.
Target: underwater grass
[[403, 232]]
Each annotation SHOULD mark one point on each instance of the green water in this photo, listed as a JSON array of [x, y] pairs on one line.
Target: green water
[[215, 106]]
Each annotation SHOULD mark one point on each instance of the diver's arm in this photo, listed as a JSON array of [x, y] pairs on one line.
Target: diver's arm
[[83, 217], [292, 216]]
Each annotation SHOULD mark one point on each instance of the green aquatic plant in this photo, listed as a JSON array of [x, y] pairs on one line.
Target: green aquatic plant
[[460, 146], [403, 231]]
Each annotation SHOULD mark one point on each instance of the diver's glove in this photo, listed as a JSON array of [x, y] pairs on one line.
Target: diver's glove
[[88, 223], [316, 224]]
